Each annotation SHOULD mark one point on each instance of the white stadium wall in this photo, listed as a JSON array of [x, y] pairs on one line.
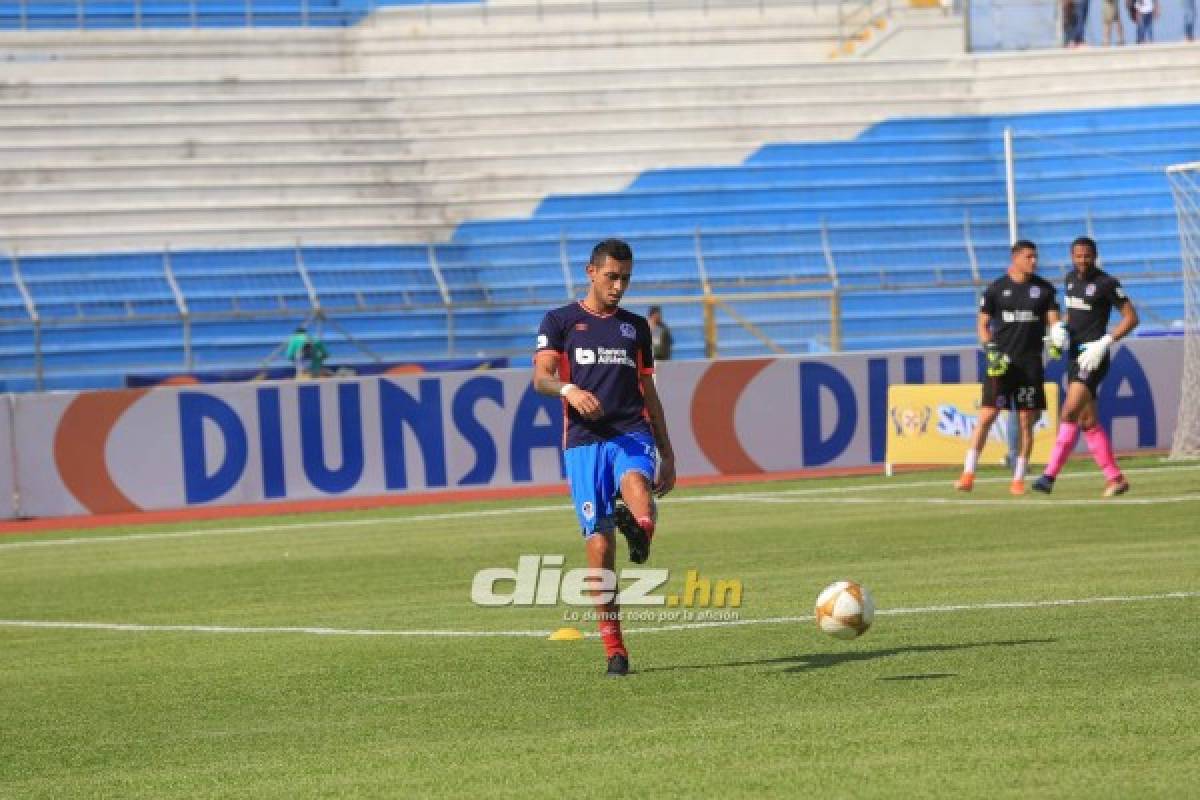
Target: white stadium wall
[[8, 485], [212, 445]]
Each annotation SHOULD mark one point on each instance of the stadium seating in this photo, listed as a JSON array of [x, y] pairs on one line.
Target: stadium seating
[[44, 15], [902, 221]]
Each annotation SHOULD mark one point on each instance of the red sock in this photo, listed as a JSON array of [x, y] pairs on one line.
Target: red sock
[[647, 524], [610, 634]]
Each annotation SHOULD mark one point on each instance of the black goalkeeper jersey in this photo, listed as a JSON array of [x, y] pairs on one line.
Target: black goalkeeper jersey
[[1090, 299], [1018, 312]]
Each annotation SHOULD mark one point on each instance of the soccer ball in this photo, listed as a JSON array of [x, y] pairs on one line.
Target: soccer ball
[[845, 610]]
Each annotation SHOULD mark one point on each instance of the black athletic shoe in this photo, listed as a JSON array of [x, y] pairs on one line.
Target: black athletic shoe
[[639, 542], [1044, 484], [618, 666]]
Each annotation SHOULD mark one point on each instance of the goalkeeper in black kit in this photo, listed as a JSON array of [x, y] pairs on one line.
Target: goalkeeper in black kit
[[1014, 314], [1091, 295]]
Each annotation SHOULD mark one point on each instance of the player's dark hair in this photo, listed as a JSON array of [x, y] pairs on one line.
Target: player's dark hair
[[616, 249], [1088, 242], [1023, 244]]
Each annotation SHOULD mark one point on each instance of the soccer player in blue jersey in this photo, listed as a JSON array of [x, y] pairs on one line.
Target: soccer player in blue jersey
[[598, 358]]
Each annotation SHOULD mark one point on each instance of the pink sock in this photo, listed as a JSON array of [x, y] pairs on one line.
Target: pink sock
[[1068, 435], [1097, 442]]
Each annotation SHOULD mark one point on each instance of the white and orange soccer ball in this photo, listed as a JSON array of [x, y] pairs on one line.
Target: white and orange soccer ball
[[845, 610]]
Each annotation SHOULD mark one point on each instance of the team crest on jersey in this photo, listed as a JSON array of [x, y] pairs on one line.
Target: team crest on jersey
[[1090, 290], [1035, 291], [628, 331]]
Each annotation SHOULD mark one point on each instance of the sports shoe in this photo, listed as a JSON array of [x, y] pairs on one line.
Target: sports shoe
[[1044, 484], [966, 483], [639, 542], [1114, 488], [618, 666], [1017, 488]]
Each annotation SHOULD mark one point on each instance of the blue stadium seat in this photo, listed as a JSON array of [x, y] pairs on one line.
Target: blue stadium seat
[[910, 216]]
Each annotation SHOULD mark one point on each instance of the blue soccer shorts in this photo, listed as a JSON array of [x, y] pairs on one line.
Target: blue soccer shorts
[[594, 472]]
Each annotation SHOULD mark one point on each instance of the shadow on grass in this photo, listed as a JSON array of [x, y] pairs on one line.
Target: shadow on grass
[[810, 661]]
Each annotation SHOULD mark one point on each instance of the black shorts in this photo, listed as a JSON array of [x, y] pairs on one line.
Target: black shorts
[[1022, 386], [1089, 379]]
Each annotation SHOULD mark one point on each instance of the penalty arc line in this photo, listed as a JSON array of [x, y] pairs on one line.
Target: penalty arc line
[[324, 631]]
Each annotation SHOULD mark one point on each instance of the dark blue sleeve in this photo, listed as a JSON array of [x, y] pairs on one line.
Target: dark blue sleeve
[[645, 345], [550, 334]]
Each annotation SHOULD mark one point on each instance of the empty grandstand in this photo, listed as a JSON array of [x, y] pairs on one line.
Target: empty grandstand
[[430, 180]]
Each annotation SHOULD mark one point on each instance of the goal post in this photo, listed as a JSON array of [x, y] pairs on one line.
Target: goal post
[[1185, 187]]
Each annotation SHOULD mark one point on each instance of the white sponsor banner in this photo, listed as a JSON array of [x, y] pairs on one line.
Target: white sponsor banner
[[222, 444]]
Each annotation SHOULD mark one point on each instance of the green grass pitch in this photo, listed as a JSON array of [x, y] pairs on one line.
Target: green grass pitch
[[980, 678]]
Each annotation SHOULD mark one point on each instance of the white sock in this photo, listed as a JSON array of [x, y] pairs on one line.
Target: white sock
[[971, 461], [1019, 469]]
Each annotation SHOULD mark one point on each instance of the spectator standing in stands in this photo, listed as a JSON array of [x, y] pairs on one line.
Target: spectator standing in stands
[[1074, 22], [660, 334], [1189, 19], [301, 348], [1112, 19], [1146, 11], [1081, 14]]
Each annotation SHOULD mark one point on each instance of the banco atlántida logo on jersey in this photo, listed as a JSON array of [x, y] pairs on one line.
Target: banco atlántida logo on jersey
[[585, 356]]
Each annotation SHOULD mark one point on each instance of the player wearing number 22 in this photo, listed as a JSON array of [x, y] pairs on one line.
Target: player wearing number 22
[[1091, 295], [598, 357], [1014, 313]]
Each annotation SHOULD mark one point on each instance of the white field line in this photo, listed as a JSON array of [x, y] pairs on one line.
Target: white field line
[[963, 501], [316, 631], [563, 508], [895, 612], [310, 631]]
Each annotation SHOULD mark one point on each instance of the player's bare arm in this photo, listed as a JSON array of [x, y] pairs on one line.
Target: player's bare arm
[[1129, 321], [546, 381], [658, 424]]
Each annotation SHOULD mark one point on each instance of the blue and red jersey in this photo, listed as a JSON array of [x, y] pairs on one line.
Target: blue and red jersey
[[606, 354]]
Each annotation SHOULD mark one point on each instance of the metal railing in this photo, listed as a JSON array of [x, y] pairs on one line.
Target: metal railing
[[786, 297], [722, 295]]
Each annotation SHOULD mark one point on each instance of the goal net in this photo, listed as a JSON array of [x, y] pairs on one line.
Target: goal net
[[1185, 186]]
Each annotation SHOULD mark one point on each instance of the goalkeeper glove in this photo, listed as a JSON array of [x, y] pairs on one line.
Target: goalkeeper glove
[[997, 362], [1092, 354], [1057, 339]]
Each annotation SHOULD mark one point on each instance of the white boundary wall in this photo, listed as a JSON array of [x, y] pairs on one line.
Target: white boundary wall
[[181, 447]]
